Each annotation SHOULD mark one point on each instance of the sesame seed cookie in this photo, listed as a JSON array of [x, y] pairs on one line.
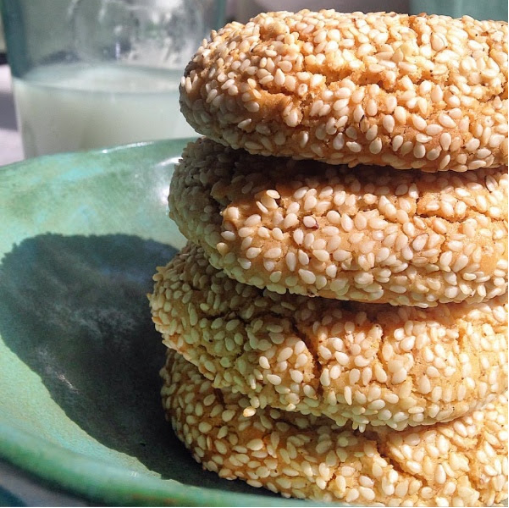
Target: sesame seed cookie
[[460, 463], [372, 235], [426, 92], [375, 365]]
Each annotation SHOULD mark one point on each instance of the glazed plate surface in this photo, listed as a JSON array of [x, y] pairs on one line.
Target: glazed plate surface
[[81, 235]]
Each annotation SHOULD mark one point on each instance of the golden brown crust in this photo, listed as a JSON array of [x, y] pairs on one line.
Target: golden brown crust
[[373, 234], [426, 92], [369, 364], [460, 463]]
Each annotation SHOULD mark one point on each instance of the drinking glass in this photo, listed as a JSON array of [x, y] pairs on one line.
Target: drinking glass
[[96, 73]]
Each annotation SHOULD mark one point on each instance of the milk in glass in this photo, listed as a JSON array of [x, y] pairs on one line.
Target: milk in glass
[[69, 107]]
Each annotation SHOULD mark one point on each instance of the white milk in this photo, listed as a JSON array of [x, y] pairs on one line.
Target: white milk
[[77, 107]]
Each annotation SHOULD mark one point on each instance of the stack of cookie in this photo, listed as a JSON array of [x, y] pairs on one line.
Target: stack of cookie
[[337, 325]]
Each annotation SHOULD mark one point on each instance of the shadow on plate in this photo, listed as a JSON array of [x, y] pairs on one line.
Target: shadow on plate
[[74, 309]]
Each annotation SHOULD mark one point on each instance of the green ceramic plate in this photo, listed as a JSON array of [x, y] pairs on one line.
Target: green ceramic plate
[[81, 235]]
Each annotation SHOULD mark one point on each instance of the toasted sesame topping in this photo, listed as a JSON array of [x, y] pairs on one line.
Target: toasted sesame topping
[[460, 463], [373, 234], [369, 364], [323, 85]]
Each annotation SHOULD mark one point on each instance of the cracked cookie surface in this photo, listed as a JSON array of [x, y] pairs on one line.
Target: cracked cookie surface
[[365, 364], [460, 463], [427, 92], [374, 234]]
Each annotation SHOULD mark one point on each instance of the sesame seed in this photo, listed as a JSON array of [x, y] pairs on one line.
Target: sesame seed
[[274, 379], [445, 140], [419, 151], [275, 252], [307, 276], [255, 444], [446, 121], [371, 108], [338, 142], [353, 146], [400, 115], [227, 415], [418, 122], [249, 412], [375, 146], [388, 123], [397, 142]]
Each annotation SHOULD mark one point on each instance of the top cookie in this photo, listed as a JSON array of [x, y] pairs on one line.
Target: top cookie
[[426, 92]]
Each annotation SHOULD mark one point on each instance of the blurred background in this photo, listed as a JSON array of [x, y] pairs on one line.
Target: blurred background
[[242, 10], [34, 108]]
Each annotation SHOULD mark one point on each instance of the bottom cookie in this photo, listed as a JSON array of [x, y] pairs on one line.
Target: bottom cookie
[[459, 463]]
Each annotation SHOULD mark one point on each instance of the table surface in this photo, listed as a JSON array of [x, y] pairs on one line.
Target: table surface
[[10, 139], [19, 489]]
